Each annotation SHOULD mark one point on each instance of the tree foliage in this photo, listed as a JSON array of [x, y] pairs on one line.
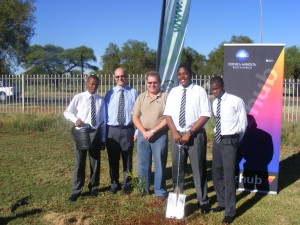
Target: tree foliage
[[135, 56], [50, 59], [194, 60], [292, 62], [111, 58], [16, 30]]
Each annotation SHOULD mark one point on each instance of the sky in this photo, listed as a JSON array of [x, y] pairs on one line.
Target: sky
[[96, 23]]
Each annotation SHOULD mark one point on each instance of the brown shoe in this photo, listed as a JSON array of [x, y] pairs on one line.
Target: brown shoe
[[161, 199]]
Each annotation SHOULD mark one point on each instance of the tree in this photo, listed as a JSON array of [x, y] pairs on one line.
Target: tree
[[111, 58], [136, 57], [16, 30], [194, 60], [292, 62], [50, 59], [43, 60], [78, 57], [216, 56]]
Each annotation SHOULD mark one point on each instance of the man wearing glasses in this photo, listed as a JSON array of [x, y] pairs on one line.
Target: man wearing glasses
[[152, 138], [120, 130]]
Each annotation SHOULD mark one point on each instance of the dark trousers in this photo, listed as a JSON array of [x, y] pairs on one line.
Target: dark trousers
[[196, 151], [80, 164], [114, 152], [223, 173]]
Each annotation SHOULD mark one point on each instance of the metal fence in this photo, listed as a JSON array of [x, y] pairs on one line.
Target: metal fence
[[51, 94]]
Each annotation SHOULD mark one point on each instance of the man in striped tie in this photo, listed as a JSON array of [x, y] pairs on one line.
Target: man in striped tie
[[187, 111], [120, 130], [88, 109], [231, 121]]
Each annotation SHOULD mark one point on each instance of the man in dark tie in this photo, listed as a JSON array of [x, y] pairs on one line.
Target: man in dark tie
[[87, 111], [187, 111], [120, 130], [231, 121]]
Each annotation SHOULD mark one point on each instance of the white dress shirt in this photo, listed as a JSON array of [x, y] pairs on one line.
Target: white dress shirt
[[80, 108], [197, 105], [233, 114]]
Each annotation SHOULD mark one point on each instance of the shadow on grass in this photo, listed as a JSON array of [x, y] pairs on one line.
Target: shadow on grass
[[288, 174], [6, 220]]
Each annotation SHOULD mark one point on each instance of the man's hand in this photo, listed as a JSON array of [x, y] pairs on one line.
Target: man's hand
[[79, 123], [177, 137], [134, 138], [148, 135], [185, 138]]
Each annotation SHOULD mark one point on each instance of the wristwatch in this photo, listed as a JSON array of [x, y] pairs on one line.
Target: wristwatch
[[153, 131], [191, 132]]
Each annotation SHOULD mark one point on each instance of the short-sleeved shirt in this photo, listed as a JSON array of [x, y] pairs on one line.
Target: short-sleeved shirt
[[197, 105], [150, 111]]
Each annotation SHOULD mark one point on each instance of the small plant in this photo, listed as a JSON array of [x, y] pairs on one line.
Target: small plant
[[138, 183]]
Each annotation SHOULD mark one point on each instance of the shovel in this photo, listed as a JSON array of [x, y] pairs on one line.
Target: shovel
[[175, 205]]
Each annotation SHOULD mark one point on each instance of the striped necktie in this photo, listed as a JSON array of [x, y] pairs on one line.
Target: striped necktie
[[93, 111], [121, 108], [182, 109], [218, 122]]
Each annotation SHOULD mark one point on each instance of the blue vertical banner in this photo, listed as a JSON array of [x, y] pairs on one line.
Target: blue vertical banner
[[255, 73], [173, 30]]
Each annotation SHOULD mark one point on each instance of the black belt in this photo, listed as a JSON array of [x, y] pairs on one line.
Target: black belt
[[230, 136], [122, 126]]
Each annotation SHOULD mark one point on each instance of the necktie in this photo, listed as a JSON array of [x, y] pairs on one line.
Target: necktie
[[218, 122], [121, 108], [182, 110], [93, 112]]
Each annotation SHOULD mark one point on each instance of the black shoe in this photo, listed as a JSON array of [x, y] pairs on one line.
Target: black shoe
[[227, 220], [94, 194], [113, 190], [218, 209], [73, 197], [126, 190], [205, 208]]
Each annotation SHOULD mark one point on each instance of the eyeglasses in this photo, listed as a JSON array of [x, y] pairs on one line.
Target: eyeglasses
[[152, 83], [120, 76]]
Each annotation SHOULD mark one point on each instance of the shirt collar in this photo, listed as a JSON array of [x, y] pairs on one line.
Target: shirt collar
[[157, 95], [223, 97], [88, 94], [117, 88], [190, 86]]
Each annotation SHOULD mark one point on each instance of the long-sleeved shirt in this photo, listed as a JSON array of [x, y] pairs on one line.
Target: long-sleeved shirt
[[80, 108], [112, 104], [233, 114]]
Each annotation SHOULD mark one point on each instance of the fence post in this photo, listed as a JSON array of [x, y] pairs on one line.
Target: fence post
[[23, 93]]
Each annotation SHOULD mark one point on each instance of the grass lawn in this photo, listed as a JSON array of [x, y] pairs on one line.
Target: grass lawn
[[36, 160]]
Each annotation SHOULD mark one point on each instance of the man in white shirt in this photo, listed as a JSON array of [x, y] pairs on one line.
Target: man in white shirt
[[188, 129], [231, 122], [87, 109]]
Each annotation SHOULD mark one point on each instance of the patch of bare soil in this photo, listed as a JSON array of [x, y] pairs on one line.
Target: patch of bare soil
[[74, 218], [154, 218]]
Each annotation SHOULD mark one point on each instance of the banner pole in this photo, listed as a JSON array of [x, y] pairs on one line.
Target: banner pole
[[158, 54]]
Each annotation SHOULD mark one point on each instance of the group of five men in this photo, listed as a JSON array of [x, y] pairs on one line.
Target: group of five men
[[184, 111]]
